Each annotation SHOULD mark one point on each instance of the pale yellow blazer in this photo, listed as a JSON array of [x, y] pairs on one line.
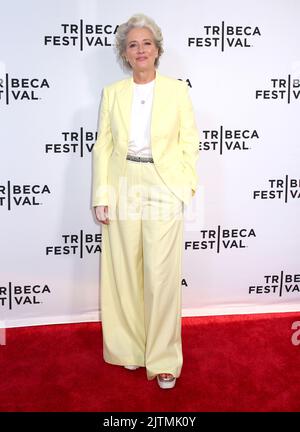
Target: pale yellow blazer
[[174, 138]]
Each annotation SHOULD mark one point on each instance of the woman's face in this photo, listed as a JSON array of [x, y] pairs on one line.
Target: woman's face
[[141, 50]]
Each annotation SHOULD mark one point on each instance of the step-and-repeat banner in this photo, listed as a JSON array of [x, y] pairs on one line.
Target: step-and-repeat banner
[[241, 60]]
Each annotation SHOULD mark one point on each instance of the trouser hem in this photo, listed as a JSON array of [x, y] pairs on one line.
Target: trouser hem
[[152, 374], [127, 362]]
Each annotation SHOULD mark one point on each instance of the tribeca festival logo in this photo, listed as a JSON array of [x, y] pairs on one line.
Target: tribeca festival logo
[[73, 143], [283, 189], [76, 244], [285, 89], [221, 239], [14, 89], [12, 295], [281, 284], [82, 35], [17, 195], [225, 36], [224, 140]]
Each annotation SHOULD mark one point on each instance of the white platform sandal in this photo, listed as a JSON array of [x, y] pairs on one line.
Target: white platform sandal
[[131, 367], [166, 383]]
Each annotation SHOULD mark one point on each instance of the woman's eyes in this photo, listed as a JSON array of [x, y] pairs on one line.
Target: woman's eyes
[[134, 45]]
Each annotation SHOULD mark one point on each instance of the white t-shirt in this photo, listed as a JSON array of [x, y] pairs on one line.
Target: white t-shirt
[[140, 126]]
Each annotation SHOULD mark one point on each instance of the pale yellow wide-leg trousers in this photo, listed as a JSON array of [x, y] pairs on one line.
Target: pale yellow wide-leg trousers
[[140, 282]]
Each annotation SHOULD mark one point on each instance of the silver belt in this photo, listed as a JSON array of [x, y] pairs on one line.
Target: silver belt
[[140, 158]]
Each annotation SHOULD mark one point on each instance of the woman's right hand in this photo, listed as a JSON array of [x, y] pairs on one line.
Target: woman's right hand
[[101, 213]]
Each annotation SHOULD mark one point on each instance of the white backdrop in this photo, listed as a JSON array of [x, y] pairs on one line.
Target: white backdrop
[[242, 236]]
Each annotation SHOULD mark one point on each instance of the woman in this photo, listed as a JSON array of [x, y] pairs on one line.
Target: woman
[[147, 141]]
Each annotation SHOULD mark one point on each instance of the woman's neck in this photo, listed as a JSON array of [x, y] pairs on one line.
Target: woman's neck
[[143, 77]]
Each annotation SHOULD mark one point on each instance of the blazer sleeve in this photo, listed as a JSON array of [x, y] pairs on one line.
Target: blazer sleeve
[[102, 150], [189, 137]]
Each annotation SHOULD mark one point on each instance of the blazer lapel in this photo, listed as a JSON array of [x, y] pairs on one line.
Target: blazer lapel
[[124, 97], [157, 107]]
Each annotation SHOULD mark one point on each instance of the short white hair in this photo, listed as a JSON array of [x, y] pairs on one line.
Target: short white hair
[[137, 20]]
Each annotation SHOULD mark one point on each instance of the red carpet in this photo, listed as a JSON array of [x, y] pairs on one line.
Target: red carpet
[[231, 363]]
